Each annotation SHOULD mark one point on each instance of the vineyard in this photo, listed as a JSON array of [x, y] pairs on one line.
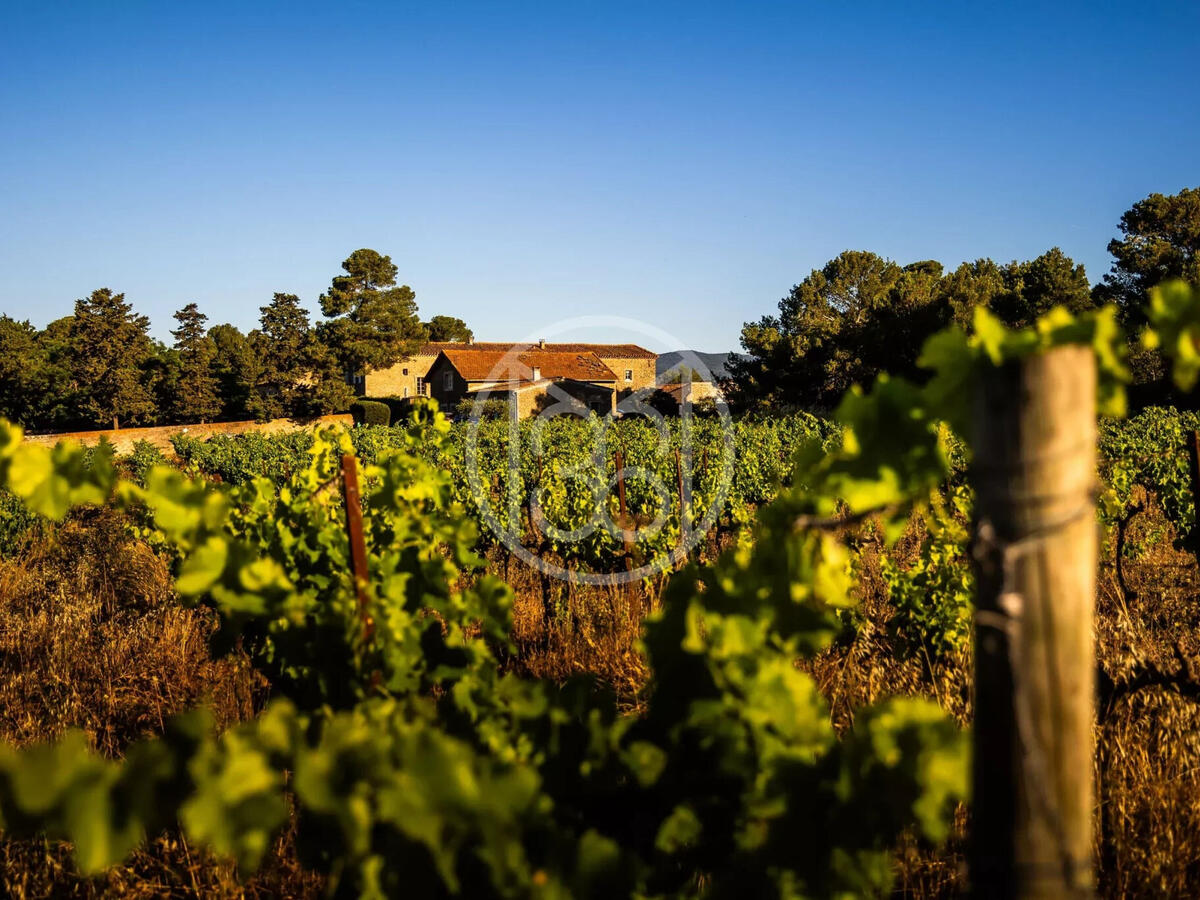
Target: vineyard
[[566, 468], [399, 746]]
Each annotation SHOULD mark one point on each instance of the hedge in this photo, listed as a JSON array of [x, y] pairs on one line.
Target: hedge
[[370, 412]]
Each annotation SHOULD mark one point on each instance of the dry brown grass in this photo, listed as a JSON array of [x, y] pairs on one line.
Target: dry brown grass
[[91, 637], [1148, 764], [562, 629], [1148, 759]]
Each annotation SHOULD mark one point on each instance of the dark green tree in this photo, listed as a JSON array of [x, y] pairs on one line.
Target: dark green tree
[[372, 322], [972, 284], [1160, 240], [301, 375], [448, 328], [1035, 287], [160, 375], [238, 371], [109, 346], [859, 315], [282, 344], [327, 391], [1017, 292], [21, 369], [58, 406], [195, 394]]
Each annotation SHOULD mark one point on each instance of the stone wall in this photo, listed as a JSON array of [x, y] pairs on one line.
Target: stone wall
[[399, 380], [123, 439], [641, 369], [393, 381]]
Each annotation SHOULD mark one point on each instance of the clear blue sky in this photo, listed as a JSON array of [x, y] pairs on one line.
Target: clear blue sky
[[685, 163]]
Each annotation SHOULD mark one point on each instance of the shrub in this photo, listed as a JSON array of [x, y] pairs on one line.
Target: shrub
[[145, 456], [18, 526], [370, 412], [399, 407]]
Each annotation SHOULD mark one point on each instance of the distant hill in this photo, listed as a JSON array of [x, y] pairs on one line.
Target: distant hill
[[714, 361]]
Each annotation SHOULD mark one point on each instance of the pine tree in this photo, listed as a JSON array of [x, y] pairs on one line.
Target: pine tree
[[448, 328], [281, 343], [109, 345], [238, 371], [20, 367], [1160, 240], [195, 394], [373, 323]]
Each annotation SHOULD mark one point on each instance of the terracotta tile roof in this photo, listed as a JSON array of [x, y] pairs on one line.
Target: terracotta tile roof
[[477, 364], [611, 351]]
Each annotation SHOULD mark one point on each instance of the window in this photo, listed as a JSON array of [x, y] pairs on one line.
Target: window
[[447, 381], [420, 387], [404, 371], [629, 374]]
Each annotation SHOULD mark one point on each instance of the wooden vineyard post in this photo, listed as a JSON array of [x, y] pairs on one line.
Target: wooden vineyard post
[[1036, 547], [358, 545]]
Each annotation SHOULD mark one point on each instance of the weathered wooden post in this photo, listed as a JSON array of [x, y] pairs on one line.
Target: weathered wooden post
[[358, 544], [1036, 546]]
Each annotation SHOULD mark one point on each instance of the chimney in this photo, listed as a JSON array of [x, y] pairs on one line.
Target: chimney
[[541, 343], [537, 373]]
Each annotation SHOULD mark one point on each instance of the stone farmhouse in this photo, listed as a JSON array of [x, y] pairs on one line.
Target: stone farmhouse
[[535, 379], [597, 375]]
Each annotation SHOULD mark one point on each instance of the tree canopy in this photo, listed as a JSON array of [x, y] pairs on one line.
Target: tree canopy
[[110, 346], [861, 314], [1160, 240], [19, 370], [195, 397], [371, 321], [237, 371], [448, 328], [857, 315]]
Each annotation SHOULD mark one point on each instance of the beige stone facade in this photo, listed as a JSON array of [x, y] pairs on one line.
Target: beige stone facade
[[633, 366], [633, 373], [534, 379], [405, 379]]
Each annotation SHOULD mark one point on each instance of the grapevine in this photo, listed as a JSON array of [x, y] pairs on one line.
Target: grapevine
[[418, 766]]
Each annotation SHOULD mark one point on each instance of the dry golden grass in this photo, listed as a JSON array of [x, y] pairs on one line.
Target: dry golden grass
[[1148, 759], [90, 636], [562, 629]]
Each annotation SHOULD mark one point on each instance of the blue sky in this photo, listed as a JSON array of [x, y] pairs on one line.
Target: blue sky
[[681, 163]]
